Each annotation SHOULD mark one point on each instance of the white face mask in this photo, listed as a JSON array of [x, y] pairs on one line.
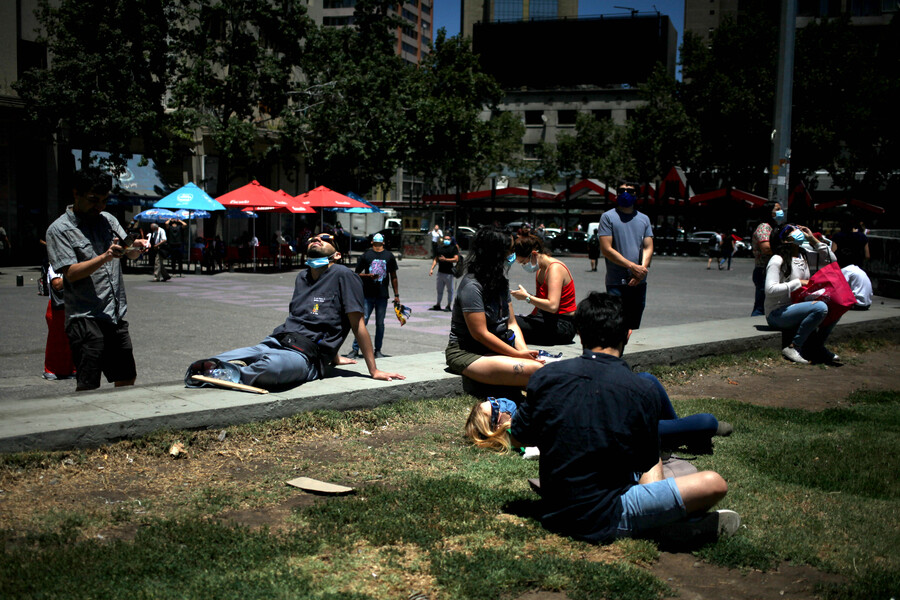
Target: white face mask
[[531, 268]]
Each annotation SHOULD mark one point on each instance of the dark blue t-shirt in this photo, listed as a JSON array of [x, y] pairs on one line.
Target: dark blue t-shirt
[[319, 307], [596, 424]]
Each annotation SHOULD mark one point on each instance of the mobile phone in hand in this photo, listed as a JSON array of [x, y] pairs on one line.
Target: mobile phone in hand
[[128, 242]]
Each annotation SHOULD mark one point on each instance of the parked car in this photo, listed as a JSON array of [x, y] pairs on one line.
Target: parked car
[[570, 241], [464, 237], [698, 243]]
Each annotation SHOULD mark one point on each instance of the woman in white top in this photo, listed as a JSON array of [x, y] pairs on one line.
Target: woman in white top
[[786, 272]]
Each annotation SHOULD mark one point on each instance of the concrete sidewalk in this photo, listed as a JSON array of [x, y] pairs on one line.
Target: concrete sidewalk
[[93, 418]]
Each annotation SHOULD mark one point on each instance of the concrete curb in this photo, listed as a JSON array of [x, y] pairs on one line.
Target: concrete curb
[[95, 418]]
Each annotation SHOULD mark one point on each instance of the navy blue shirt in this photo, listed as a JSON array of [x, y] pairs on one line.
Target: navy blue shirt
[[596, 424]]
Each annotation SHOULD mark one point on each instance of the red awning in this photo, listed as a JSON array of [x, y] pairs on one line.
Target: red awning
[[854, 202], [751, 199]]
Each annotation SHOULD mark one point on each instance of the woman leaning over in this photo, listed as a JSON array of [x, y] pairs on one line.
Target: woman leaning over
[[551, 322], [486, 343]]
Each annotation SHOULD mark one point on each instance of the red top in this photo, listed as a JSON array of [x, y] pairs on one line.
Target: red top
[[566, 298]]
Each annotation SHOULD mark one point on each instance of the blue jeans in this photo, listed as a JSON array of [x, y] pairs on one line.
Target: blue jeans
[[634, 298], [270, 365], [759, 299], [675, 432], [380, 307], [806, 317], [649, 506]]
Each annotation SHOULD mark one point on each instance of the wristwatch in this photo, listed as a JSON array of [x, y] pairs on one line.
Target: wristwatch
[[528, 299]]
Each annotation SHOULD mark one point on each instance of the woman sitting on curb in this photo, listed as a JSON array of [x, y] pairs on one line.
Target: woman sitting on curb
[[486, 344], [550, 323], [786, 272]]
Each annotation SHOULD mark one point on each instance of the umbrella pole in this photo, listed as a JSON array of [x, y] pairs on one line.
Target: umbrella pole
[[254, 245]]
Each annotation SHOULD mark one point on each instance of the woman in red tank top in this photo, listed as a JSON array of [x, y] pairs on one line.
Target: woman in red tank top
[[550, 322]]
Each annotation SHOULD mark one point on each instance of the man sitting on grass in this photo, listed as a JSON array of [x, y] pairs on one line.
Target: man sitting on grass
[[596, 425]]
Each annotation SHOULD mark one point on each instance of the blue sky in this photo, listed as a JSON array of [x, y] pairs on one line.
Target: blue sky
[[446, 12]]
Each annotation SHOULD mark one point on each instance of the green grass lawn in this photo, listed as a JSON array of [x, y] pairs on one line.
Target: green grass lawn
[[436, 515]]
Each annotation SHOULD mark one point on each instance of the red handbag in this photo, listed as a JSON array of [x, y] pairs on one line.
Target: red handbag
[[830, 286]]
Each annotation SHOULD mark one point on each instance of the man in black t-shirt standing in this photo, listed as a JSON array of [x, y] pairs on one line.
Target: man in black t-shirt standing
[[446, 258], [376, 266], [596, 425]]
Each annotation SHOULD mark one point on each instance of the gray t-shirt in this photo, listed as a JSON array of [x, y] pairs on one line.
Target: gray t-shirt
[[628, 232], [319, 307], [72, 240], [470, 298]]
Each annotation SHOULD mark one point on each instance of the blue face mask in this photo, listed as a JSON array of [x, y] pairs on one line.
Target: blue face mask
[[501, 405], [530, 268], [779, 216], [317, 263], [511, 258], [625, 200], [798, 237], [446, 242]]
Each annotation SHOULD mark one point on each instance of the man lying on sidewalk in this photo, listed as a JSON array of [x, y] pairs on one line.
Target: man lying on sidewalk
[[327, 303], [596, 425]]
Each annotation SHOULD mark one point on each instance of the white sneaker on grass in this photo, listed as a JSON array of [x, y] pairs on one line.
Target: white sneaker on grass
[[793, 355]]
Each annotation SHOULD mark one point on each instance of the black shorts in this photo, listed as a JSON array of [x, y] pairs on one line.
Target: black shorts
[[100, 346]]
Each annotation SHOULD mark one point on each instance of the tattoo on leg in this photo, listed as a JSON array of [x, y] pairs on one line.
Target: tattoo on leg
[[518, 368]]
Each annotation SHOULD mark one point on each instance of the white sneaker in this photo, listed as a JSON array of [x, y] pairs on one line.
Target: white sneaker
[[728, 523], [793, 355]]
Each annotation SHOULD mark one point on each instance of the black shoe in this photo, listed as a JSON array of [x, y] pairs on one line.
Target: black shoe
[[448, 309], [435, 307], [378, 354], [352, 354]]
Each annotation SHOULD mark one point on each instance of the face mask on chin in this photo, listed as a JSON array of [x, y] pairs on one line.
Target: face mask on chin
[[319, 262]]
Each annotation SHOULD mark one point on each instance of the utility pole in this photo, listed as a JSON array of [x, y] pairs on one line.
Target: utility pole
[[780, 165]]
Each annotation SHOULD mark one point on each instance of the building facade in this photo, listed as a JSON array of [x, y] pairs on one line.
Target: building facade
[[702, 17], [413, 36], [505, 11], [548, 85]]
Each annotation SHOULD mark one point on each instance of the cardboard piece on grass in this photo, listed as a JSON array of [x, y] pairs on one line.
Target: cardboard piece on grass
[[319, 487]]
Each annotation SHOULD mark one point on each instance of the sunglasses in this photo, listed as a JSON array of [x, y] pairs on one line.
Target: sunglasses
[[495, 413], [323, 237]]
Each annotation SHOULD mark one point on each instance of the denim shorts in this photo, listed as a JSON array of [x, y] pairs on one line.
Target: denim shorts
[[650, 506]]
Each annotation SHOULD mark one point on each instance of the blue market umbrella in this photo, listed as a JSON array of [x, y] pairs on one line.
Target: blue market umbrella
[[155, 215], [191, 214], [189, 197]]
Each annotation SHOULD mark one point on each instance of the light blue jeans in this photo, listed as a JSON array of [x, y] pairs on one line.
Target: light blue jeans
[[380, 307], [270, 365], [650, 506], [806, 317]]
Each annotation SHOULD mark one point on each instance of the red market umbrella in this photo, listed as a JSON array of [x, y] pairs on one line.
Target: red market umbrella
[[253, 195], [322, 197]]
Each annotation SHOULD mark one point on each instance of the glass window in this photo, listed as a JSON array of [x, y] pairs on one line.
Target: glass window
[[534, 117], [530, 150], [566, 117], [603, 114]]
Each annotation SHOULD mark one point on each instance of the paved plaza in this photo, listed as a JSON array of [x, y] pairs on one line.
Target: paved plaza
[[692, 313], [197, 316]]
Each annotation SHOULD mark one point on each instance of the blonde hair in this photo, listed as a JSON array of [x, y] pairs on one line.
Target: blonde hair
[[478, 429]]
